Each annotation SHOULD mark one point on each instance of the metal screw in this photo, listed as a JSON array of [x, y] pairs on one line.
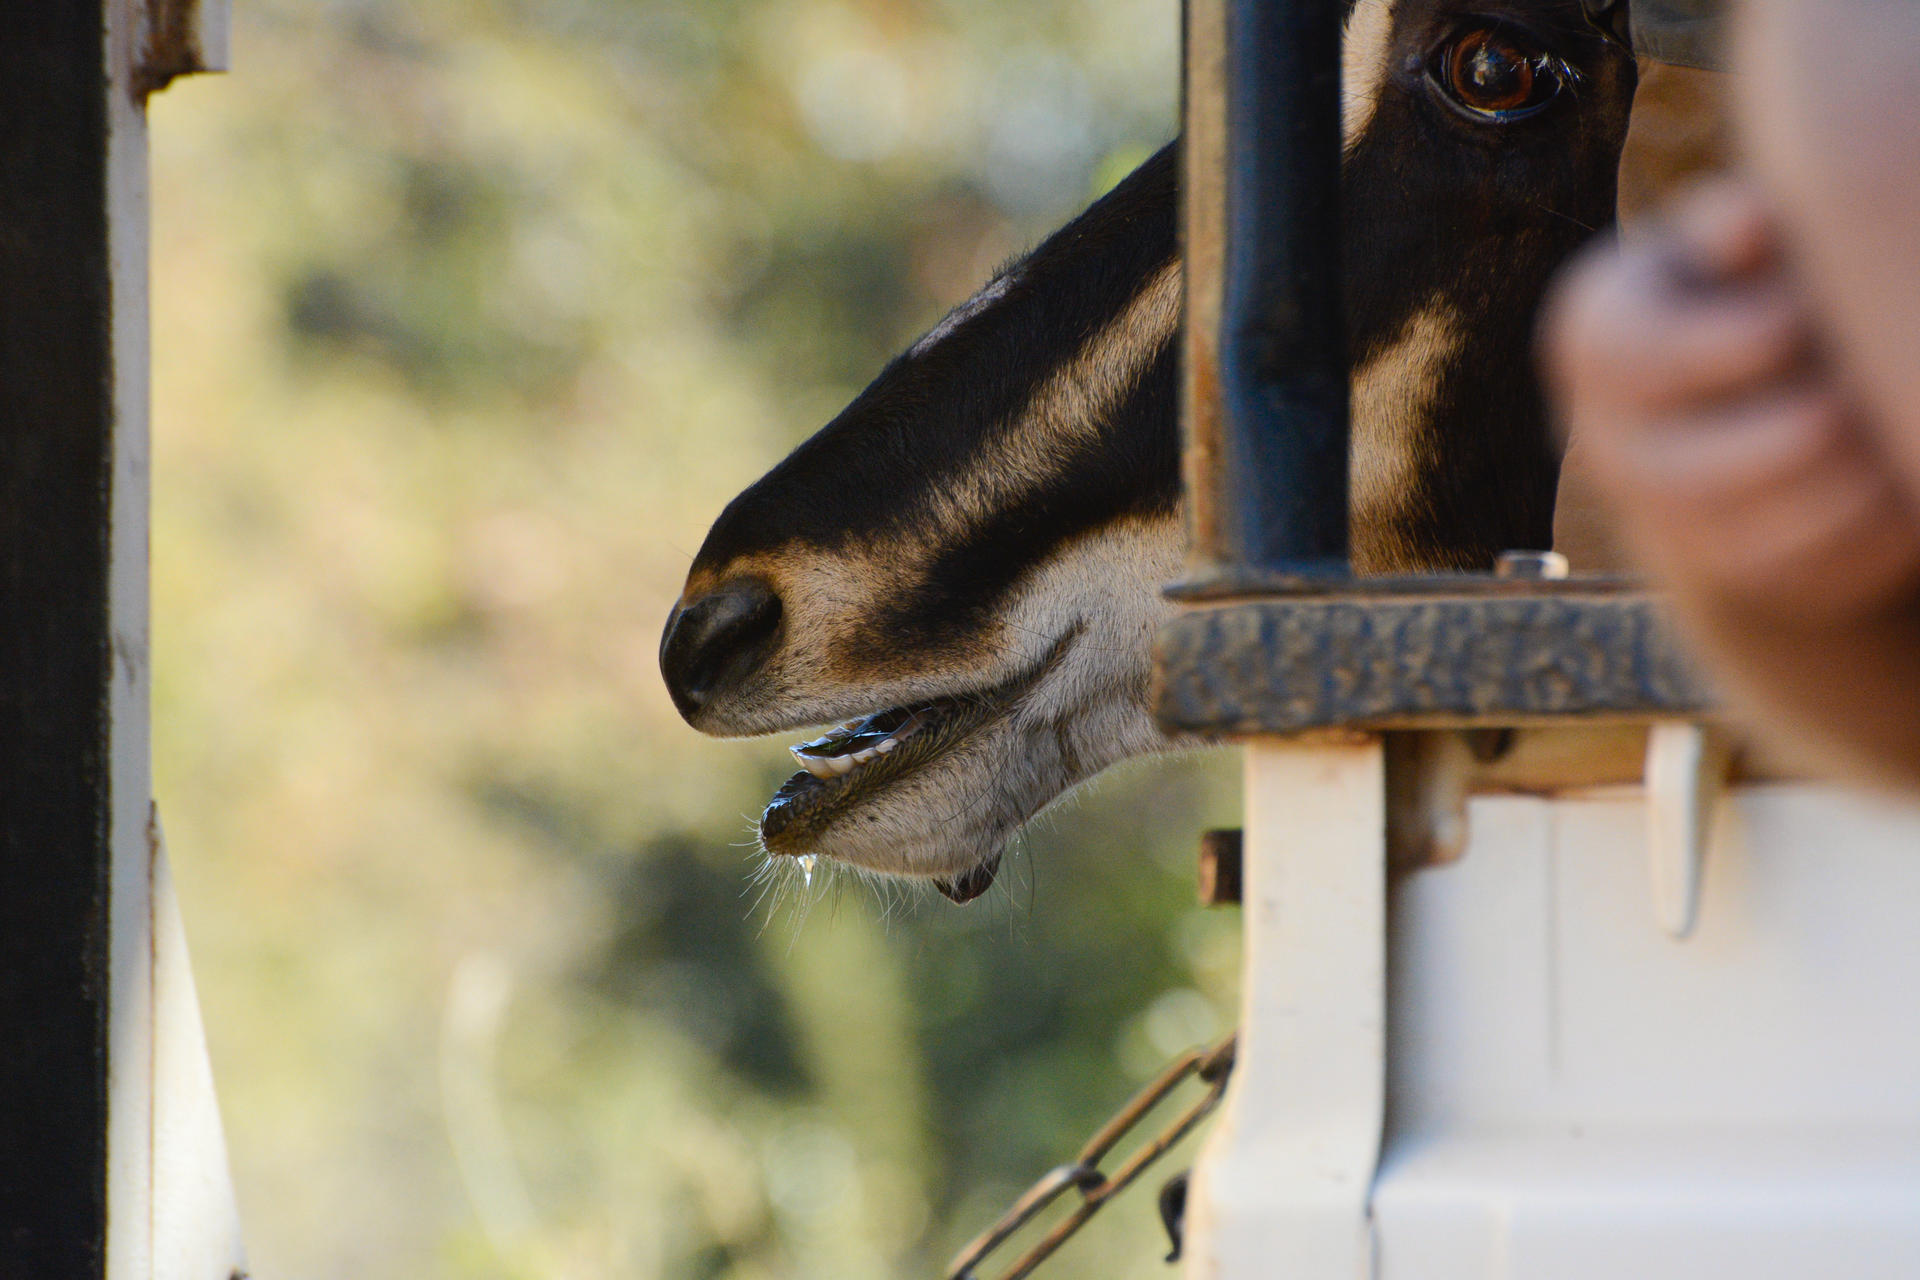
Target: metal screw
[[1543, 565]]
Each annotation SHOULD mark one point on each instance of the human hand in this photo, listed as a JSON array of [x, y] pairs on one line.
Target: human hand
[[1686, 369], [1686, 373]]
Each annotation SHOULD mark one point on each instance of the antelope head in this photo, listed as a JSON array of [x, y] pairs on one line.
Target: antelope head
[[963, 570]]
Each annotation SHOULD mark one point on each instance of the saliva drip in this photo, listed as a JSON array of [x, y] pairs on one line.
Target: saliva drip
[[806, 861]]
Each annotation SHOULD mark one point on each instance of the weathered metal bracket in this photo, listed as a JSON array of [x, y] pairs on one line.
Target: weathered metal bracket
[[1423, 653], [179, 38]]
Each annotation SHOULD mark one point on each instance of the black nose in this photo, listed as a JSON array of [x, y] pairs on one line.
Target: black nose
[[717, 640]]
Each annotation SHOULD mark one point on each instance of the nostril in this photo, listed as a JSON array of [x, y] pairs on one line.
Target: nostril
[[717, 640]]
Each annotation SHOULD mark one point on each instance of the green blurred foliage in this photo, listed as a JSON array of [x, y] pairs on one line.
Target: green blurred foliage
[[469, 315]]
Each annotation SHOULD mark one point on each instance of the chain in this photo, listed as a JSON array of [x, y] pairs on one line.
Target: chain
[[1209, 1066]]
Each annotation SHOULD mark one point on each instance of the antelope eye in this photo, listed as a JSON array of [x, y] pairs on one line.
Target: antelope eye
[[1492, 75]]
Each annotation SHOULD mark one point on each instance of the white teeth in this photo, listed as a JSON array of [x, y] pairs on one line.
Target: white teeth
[[826, 766], [818, 766], [840, 766]]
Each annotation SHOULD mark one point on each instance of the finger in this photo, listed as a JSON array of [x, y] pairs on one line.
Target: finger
[[1628, 331], [1779, 492], [1815, 525], [1844, 544], [1725, 230], [1776, 437]]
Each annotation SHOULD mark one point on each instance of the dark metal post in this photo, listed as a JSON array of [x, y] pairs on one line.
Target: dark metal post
[[1267, 469], [56, 643]]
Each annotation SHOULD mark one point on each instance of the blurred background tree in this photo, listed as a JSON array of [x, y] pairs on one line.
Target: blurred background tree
[[470, 315]]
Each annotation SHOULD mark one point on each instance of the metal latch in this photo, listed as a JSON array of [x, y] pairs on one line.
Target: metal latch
[[1687, 768]]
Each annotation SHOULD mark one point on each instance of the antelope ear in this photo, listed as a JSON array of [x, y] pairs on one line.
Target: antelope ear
[[968, 885]]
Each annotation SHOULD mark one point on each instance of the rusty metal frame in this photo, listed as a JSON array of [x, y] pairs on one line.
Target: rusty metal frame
[[1266, 361], [1210, 1066], [1457, 652], [1277, 635]]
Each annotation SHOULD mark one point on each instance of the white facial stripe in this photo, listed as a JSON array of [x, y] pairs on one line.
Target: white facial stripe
[[1365, 52], [839, 594], [1089, 712], [1074, 405], [992, 293], [1107, 583], [1393, 396]]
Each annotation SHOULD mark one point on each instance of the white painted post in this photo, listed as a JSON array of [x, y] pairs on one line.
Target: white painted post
[[1283, 1185], [171, 1213], [130, 1118]]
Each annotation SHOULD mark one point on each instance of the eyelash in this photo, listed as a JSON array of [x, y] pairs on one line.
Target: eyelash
[[1442, 64]]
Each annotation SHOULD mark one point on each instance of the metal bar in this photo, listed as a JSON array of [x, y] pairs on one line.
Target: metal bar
[[56, 640], [1443, 658], [1267, 471], [1211, 1066]]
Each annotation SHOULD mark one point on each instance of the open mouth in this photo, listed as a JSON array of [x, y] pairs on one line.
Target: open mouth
[[850, 765]]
